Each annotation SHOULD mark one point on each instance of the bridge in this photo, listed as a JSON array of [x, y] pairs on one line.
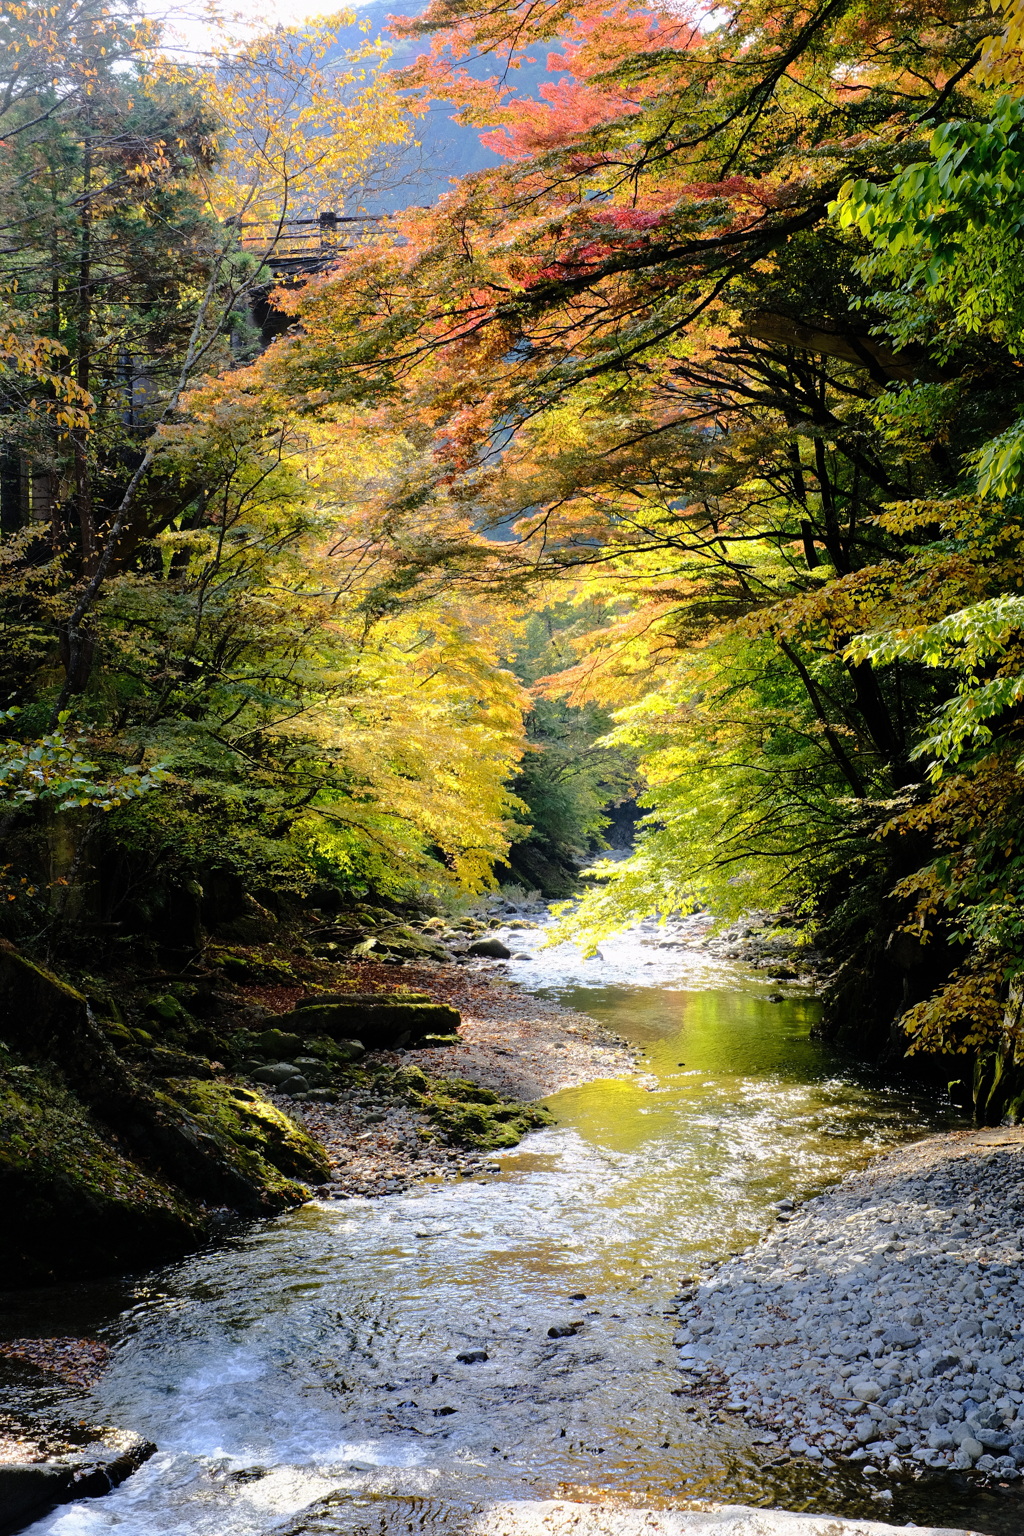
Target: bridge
[[296, 248]]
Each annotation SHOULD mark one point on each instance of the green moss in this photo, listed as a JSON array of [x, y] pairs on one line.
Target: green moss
[[167, 1009], [337, 1054], [24, 975], [119, 1034], [250, 965], [255, 1136], [471, 1116], [73, 1201], [43, 1129]]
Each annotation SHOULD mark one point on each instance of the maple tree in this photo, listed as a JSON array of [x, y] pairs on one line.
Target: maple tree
[[127, 177], [721, 364], [304, 123]]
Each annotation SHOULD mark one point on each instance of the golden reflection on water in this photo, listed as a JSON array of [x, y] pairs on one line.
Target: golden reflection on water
[[735, 1107]]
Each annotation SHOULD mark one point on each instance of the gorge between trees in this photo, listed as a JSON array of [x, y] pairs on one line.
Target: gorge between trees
[[510, 574]]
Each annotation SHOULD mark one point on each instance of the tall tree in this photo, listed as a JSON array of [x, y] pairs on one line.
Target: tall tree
[[647, 345], [644, 336], [126, 178]]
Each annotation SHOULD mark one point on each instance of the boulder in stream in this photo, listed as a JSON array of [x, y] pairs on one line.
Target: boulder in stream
[[490, 949]]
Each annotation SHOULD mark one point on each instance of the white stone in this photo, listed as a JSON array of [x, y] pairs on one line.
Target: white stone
[[864, 1389]]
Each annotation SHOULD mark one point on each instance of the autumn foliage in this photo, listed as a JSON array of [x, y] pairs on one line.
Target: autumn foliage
[[724, 357], [730, 341]]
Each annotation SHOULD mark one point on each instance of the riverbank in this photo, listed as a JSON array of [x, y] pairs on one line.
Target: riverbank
[[140, 1111], [519, 1316], [562, 1518], [515, 1046], [881, 1326]]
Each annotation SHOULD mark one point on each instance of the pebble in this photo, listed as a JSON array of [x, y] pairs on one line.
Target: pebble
[[562, 1517], [883, 1323]]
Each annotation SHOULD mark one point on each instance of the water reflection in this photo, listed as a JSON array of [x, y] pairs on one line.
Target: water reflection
[[737, 1108]]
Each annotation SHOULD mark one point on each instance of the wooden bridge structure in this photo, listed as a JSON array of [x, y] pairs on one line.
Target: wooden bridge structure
[[296, 248]]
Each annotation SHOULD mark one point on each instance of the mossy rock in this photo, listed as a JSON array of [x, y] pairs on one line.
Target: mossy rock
[[101, 1171], [337, 1053], [409, 945], [117, 1032], [248, 965], [74, 1204], [167, 1009], [381, 1024], [255, 1136], [374, 999], [471, 1116], [278, 1042], [167, 1063]]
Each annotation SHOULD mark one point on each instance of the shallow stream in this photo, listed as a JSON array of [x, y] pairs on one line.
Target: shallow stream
[[304, 1377]]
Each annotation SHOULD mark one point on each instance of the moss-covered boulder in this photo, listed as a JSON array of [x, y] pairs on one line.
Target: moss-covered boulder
[[251, 965], [253, 1134], [406, 944], [101, 1168], [73, 1201], [278, 1043], [381, 1023], [470, 1116], [378, 940]]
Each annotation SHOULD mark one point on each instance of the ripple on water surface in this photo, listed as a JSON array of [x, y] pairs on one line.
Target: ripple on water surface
[[305, 1378]]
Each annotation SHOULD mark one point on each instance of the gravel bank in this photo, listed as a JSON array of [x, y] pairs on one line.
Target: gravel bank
[[883, 1323], [560, 1518], [520, 1046]]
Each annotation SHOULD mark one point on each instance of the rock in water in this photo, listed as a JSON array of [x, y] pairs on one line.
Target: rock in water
[[490, 949], [29, 1490]]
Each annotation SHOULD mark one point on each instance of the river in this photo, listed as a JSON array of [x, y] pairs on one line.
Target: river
[[304, 1377]]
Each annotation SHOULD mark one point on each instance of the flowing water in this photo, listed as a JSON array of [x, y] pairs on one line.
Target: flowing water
[[304, 1377]]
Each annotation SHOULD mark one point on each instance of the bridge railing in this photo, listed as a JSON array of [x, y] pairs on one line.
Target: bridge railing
[[304, 245]]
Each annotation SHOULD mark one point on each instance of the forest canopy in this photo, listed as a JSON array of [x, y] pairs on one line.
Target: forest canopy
[[680, 452]]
